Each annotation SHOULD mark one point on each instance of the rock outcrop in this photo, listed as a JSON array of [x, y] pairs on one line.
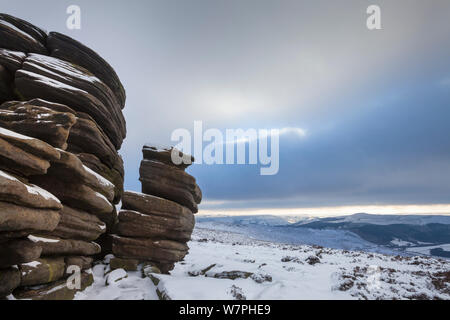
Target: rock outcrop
[[61, 126], [155, 225]]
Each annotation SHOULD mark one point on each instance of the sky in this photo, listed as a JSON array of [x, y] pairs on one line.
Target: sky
[[374, 105]]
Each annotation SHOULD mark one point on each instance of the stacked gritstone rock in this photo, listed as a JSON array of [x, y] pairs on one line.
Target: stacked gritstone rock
[[154, 226], [61, 126]]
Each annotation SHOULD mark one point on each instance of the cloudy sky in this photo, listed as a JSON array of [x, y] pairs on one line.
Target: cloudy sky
[[375, 105]]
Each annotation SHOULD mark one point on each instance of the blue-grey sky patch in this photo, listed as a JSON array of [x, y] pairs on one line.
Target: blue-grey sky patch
[[375, 104]]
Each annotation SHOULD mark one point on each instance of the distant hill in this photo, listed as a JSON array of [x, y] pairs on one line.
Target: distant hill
[[408, 233]]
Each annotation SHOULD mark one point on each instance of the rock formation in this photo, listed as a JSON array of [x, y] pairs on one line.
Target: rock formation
[[154, 226], [61, 126]]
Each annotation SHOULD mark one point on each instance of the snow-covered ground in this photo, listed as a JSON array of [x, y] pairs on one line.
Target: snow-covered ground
[[228, 265]]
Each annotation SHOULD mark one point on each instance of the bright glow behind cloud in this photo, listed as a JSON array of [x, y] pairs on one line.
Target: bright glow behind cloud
[[297, 132]]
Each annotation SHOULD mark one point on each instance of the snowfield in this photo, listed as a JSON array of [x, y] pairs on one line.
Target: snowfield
[[227, 265]]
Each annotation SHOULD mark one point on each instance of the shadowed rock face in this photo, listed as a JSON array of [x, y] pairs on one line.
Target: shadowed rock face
[[15, 252], [9, 280], [60, 171], [6, 89]]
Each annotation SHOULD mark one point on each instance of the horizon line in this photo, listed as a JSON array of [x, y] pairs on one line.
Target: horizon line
[[410, 209]]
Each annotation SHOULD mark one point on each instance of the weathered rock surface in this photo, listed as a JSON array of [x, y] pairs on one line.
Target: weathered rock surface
[[70, 168], [33, 146], [163, 188], [78, 225], [15, 252], [138, 225], [125, 264], [170, 183], [11, 60], [164, 154], [87, 137], [73, 75], [20, 35], [55, 291], [37, 121], [52, 246], [33, 85], [68, 49], [76, 195], [6, 89], [151, 205], [9, 280], [77, 77], [18, 218], [18, 161], [15, 191], [41, 271], [160, 251], [113, 175], [23, 154]]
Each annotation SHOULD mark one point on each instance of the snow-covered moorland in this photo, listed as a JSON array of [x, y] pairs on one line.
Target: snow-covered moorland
[[227, 265]]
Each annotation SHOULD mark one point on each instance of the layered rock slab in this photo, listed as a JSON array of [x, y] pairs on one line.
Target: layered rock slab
[[158, 251], [20, 35], [44, 123], [171, 183]]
